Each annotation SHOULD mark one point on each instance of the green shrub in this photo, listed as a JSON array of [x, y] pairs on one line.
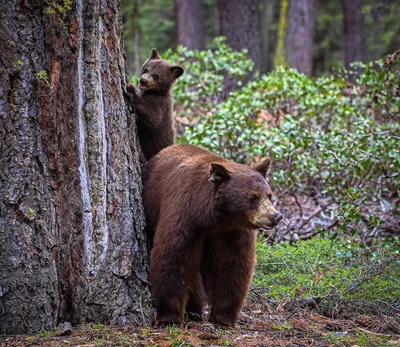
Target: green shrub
[[328, 139], [322, 268]]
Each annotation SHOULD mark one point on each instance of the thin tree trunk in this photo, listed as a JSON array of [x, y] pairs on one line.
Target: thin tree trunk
[[72, 239], [354, 32], [136, 31], [240, 22], [267, 21], [299, 41], [190, 23], [280, 52]]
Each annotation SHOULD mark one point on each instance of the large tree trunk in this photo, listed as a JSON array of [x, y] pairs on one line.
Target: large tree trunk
[[239, 21], [299, 41], [354, 32], [72, 240], [190, 23]]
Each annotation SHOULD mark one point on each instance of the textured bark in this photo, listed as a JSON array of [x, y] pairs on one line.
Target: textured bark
[[354, 32], [299, 41], [190, 23], [239, 21], [72, 243]]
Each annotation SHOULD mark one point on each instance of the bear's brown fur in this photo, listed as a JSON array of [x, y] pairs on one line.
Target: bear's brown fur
[[153, 103], [203, 211]]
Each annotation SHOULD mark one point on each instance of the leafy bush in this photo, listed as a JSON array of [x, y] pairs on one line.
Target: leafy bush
[[322, 268], [334, 142]]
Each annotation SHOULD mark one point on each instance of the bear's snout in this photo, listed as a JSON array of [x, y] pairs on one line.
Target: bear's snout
[[266, 216], [277, 217]]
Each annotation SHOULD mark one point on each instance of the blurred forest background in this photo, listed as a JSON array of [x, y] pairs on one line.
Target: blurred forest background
[[310, 35]]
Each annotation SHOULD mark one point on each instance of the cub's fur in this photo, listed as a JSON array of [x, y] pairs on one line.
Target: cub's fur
[[153, 103]]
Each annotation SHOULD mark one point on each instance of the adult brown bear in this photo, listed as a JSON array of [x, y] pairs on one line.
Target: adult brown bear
[[202, 211]]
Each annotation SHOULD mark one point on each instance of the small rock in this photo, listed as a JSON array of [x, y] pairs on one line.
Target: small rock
[[65, 328]]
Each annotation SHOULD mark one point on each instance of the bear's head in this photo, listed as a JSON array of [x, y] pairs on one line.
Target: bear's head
[[158, 75], [243, 196]]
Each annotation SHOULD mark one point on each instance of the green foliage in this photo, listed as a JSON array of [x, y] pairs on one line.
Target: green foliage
[[61, 10], [323, 135], [201, 85], [43, 76], [322, 268]]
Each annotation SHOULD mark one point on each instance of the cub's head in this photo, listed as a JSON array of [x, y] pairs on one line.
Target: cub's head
[[158, 75], [243, 195]]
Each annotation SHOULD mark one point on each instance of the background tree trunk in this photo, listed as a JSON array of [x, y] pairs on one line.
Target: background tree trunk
[[268, 10], [190, 23], [299, 40], [239, 21], [280, 51], [354, 33], [136, 31], [72, 239]]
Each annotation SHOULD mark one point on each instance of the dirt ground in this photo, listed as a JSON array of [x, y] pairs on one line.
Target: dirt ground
[[265, 324]]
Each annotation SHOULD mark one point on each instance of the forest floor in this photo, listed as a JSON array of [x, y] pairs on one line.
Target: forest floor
[[285, 324]]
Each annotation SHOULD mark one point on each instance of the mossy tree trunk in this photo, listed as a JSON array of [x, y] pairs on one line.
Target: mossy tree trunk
[[72, 241]]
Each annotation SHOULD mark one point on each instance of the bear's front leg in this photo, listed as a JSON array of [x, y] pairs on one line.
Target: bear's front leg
[[228, 269], [167, 276], [174, 264]]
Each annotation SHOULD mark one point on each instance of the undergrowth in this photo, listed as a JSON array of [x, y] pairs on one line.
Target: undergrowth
[[321, 268]]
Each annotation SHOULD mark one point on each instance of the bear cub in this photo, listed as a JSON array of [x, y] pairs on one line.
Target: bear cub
[[203, 212], [153, 103]]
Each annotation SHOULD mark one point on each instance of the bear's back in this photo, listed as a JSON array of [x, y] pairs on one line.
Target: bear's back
[[177, 180]]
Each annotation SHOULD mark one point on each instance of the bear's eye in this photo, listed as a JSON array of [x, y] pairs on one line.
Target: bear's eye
[[254, 198], [145, 70], [270, 196], [156, 77]]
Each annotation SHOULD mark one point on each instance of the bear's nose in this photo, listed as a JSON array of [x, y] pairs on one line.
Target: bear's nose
[[277, 217], [143, 81]]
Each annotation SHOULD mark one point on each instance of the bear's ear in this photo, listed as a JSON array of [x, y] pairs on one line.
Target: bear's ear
[[177, 71], [154, 54], [218, 173], [263, 167]]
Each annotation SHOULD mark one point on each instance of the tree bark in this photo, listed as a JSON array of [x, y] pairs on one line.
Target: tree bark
[[268, 9], [299, 41], [190, 23], [136, 31], [72, 239], [354, 32], [239, 21]]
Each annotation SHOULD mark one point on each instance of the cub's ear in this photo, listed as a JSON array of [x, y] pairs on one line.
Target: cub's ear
[[218, 173], [177, 71], [263, 167], [154, 54]]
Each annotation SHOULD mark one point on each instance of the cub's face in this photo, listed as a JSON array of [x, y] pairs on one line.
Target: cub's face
[[158, 75], [244, 196]]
